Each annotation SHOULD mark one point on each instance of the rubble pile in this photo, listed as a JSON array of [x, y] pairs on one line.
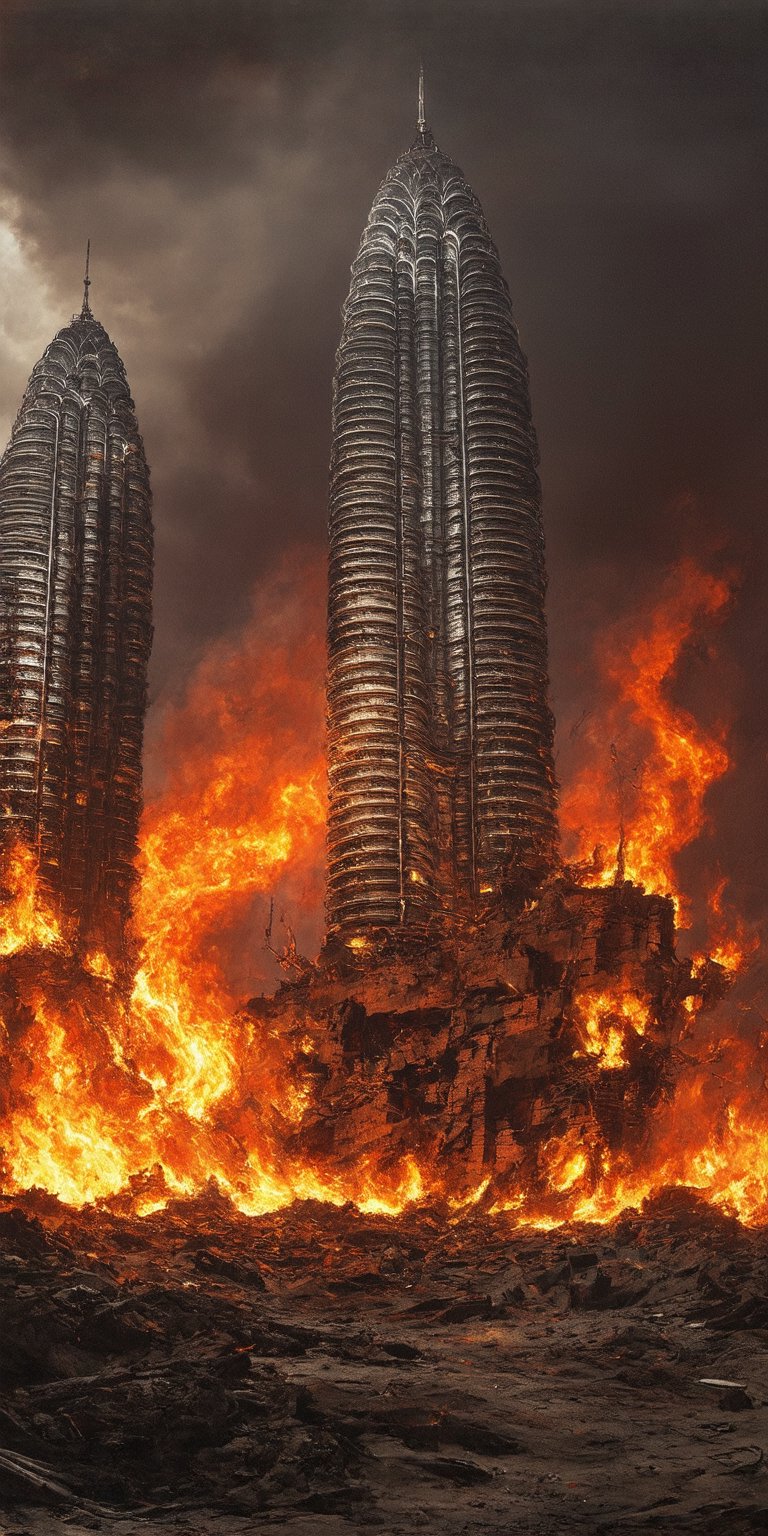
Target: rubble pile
[[464, 1048], [321, 1369]]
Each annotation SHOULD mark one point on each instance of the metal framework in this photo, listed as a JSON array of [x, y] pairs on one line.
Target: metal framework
[[76, 556], [439, 732]]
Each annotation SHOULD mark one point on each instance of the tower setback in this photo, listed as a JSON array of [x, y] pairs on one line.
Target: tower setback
[[76, 554], [441, 780]]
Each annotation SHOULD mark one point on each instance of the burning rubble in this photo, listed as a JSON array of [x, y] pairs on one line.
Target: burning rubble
[[555, 1058]]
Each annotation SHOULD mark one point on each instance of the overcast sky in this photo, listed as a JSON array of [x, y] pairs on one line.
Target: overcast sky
[[223, 156]]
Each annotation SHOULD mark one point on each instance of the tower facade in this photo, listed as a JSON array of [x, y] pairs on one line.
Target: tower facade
[[76, 555], [441, 780]]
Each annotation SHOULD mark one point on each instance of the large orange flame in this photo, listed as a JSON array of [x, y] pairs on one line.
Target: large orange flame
[[105, 1090], [175, 1086], [608, 1018], [637, 797], [28, 918]]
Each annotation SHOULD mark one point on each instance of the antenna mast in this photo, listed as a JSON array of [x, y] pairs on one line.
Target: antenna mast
[[85, 313]]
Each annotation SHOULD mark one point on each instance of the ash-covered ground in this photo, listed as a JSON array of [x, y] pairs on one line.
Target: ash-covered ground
[[318, 1370]]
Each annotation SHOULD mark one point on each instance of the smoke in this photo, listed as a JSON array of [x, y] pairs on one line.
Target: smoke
[[223, 157]]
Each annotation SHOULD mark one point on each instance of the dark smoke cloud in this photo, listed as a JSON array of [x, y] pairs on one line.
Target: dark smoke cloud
[[223, 157]]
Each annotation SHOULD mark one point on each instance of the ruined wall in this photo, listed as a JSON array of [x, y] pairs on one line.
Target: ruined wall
[[473, 1052]]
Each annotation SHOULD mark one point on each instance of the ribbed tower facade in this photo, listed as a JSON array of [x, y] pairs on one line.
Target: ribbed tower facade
[[76, 556], [441, 776]]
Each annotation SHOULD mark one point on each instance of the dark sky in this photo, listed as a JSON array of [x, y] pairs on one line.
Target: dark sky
[[222, 157]]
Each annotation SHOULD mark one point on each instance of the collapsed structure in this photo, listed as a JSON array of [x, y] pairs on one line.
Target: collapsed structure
[[439, 734], [76, 554]]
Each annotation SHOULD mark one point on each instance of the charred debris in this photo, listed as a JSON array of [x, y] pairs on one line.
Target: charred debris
[[197, 1369], [463, 1045]]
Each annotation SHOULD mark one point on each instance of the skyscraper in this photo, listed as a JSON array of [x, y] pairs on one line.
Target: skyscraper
[[76, 554], [441, 776]]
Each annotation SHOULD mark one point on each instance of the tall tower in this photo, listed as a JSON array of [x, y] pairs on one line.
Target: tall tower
[[441, 776], [76, 554]]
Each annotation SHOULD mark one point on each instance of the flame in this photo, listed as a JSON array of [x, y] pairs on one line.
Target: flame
[[156, 1093], [608, 1019], [28, 922], [564, 1164], [731, 941], [100, 964], [702, 1139], [244, 794], [645, 797], [173, 1083]]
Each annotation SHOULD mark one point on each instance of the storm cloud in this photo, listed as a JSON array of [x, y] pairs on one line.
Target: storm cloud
[[222, 157]]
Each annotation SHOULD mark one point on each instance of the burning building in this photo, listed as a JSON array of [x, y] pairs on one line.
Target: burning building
[[439, 733], [527, 1051], [76, 555]]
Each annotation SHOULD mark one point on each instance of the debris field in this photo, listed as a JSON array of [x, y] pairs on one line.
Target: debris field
[[320, 1370]]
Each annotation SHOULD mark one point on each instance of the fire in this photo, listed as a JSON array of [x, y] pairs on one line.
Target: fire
[[100, 964], [609, 1019], [107, 1087], [171, 1084], [565, 1165], [155, 1091], [712, 1136], [645, 796], [244, 795], [377, 1193], [27, 920], [731, 942]]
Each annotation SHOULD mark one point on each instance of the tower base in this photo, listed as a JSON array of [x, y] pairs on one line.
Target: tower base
[[496, 1054]]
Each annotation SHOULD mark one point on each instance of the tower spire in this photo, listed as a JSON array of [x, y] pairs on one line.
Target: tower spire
[[85, 313], [421, 119]]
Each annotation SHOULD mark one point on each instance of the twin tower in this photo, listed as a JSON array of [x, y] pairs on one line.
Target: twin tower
[[439, 733], [76, 627], [441, 783]]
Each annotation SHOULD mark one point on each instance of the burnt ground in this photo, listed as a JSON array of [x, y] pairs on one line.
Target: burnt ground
[[318, 1370]]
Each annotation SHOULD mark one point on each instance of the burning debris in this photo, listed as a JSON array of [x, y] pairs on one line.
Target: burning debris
[[533, 1061], [480, 1055]]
